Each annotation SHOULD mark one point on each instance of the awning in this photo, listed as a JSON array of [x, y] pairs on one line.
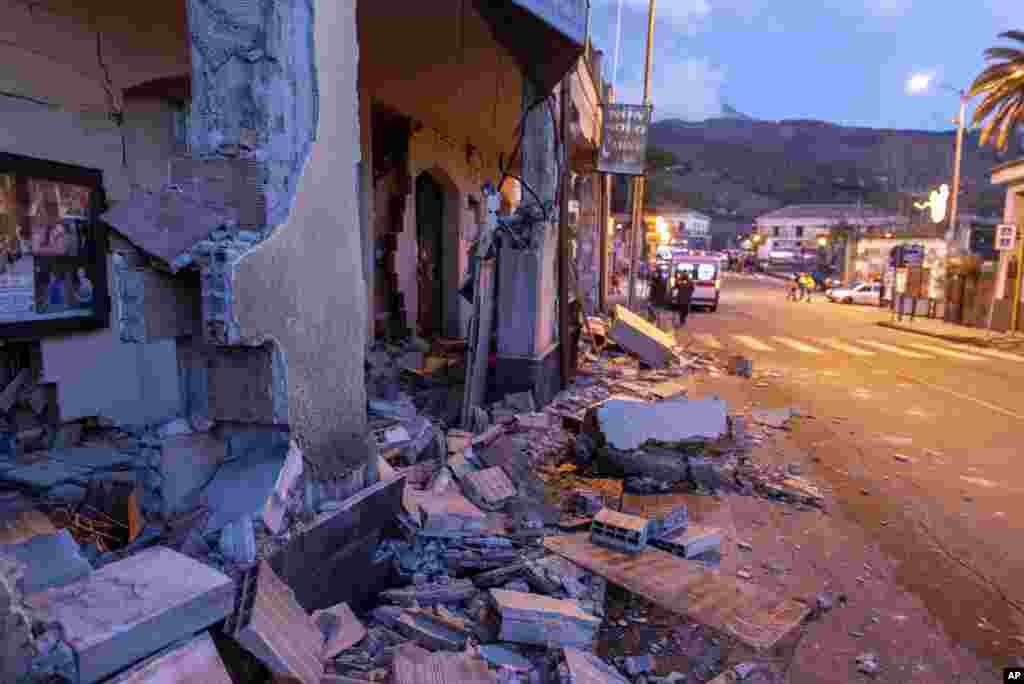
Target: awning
[[545, 36]]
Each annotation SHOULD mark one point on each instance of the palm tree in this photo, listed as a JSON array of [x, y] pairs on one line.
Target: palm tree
[[1003, 84]]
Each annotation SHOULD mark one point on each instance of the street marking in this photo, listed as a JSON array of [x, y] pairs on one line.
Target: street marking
[[797, 345], [751, 343], [965, 397], [843, 347], [945, 352], [708, 340], [1006, 356], [895, 350]]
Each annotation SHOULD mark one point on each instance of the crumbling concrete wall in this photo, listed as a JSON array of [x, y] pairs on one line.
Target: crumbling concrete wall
[[303, 286]]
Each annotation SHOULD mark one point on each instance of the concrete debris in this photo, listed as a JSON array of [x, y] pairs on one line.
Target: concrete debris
[[741, 366], [636, 665], [586, 668], [196, 660], [774, 418], [620, 531], [652, 346], [432, 632], [238, 541], [413, 665], [868, 664], [432, 594], [490, 488], [503, 656], [703, 473], [544, 621], [626, 425], [694, 541], [584, 502], [130, 609], [50, 560], [522, 402], [663, 465]]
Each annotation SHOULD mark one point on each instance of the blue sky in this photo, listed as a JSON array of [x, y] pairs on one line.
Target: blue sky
[[845, 61]]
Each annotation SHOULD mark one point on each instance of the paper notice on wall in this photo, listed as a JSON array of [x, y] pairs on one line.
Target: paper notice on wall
[[17, 291]]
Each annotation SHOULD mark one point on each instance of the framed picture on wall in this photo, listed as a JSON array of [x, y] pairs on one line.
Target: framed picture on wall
[[53, 266]]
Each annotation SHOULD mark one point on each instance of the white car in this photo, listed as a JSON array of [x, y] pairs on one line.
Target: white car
[[859, 293]]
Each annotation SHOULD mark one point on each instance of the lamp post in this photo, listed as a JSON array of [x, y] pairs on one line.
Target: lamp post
[[921, 83]]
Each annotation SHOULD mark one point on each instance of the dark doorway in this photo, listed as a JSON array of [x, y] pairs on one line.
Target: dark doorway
[[430, 255]]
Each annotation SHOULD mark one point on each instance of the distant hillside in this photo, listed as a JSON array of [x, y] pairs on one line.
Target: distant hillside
[[737, 166]]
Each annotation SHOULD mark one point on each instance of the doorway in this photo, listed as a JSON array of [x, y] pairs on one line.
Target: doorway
[[430, 228]]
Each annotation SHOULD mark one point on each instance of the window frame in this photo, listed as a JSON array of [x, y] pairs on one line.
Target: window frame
[[59, 172]]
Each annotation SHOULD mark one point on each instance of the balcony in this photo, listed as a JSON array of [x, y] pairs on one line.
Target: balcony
[[545, 36]]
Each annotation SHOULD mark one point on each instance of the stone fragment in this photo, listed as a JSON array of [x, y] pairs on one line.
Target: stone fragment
[[652, 346], [626, 425], [431, 593], [544, 621], [51, 560]]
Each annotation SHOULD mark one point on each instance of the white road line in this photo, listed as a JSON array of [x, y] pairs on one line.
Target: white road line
[[994, 353], [946, 352], [965, 397], [708, 340], [896, 350], [752, 343], [797, 345], [848, 348]]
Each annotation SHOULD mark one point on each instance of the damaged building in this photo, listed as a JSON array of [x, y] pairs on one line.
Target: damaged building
[[213, 213]]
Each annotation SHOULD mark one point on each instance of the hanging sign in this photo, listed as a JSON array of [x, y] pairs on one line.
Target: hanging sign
[[1006, 236], [624, 139]]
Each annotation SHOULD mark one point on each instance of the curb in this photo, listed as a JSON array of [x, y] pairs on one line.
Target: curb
[[973, 341]]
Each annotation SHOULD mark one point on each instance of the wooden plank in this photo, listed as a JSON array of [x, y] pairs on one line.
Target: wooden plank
[[130, 609], [414, 665], [587, 668], [340, 627], [753, 615], [195, 662], [479, 352], [271, 624]]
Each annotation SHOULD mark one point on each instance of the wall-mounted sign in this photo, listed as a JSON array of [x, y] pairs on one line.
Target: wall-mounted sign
[[624, 139], [53, 275], [1006, 236]]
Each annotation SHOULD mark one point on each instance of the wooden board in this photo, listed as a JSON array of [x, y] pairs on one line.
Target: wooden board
[[414, 665], [746, 612], [271, 625], [195, 662], [478, 354], [131, 609]]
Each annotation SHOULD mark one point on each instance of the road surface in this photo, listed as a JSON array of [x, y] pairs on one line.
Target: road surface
[[920, 439]]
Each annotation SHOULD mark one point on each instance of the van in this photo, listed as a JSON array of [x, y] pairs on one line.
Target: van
[[706, 274]]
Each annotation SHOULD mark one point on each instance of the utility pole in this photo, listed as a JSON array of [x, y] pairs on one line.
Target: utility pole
[[638, 182], [954, 210], [564, 327]]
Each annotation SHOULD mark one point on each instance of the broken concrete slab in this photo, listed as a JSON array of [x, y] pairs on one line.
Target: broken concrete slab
[[490, 488], [544, 621], [132, 608], [340, 543], [431, 633], [626, 425], [754, 616], [587, 668], [450, 515], [773, 418], [269, 623], [651, 345], [241, 486], [276, 503], [196, 660], [51, 560], [340, 627]]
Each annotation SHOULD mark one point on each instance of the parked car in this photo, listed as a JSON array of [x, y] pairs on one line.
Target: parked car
[[858, 293], [707, 279]]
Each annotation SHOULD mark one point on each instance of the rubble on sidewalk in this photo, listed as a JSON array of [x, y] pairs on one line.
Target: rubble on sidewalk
[[631, 332], [627, 425]]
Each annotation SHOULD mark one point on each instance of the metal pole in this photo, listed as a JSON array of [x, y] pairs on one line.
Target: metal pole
[[638, 186], [1017, 284], [954, 210], [565, 336], [602, 290]]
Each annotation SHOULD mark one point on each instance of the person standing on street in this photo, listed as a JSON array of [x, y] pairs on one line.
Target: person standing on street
[[684, 295]]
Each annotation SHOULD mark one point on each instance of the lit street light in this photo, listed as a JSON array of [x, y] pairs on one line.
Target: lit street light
[[822, 241], [919, 84]]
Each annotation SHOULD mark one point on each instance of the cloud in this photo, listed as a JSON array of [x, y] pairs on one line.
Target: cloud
[[681, 88], [887, 8]]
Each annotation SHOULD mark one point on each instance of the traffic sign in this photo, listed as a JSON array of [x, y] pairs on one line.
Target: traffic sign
[[1006, 236]]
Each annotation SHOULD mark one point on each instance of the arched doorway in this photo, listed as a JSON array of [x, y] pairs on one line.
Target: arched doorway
[[430, 255]]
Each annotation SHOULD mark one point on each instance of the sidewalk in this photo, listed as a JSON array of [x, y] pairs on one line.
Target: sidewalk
[[960, 334]]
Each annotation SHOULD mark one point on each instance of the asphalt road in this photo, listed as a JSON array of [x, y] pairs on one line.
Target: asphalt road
[[920, 440]]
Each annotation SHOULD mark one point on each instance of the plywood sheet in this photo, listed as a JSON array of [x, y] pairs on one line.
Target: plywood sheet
[[752, 615], [414, 665]]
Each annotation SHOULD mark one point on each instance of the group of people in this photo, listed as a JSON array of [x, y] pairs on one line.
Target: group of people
[[801, 287], [679, 297]]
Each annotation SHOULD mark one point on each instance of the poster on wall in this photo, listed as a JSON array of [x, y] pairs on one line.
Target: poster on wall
[[52, 249]]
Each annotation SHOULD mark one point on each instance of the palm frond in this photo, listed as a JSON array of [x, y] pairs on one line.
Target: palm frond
[[1011, 119], [1004, 53], [990, 78], [1013, 35], [993, 98], [994, 123]]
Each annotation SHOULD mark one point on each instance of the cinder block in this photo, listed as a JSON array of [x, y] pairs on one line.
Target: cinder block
[[620, 531]]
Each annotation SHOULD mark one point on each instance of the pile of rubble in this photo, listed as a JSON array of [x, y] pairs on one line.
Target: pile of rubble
[[504, 535]]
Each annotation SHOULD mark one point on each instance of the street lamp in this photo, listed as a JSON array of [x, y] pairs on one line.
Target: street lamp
[[822, 241], [919, 84]]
